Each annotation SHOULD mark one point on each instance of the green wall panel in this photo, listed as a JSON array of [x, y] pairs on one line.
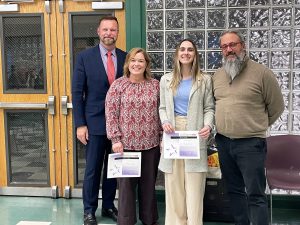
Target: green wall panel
[[135, 24]]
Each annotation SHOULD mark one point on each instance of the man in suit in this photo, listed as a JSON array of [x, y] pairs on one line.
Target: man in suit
[[92, 78]]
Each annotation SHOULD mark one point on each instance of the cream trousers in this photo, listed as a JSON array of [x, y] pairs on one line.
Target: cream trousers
[[184, 191]]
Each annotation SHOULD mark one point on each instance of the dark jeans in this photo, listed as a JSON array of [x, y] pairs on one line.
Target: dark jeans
[[242, 165]]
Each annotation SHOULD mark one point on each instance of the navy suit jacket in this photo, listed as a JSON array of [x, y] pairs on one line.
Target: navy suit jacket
[[89, 88]]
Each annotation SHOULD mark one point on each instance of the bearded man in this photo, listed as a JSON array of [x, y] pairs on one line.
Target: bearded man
[[248, 100], [95, 70]]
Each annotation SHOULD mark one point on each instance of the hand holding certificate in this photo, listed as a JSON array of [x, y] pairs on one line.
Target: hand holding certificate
[[181, 145], [127, 164]]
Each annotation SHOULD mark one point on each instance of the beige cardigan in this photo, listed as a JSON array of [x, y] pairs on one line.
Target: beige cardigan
[[201, 110]]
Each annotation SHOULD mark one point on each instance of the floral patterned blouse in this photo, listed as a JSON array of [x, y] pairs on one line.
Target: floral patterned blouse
[[132, 116]]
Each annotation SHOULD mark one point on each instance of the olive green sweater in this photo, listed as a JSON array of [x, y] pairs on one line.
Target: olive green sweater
[[247, 105]]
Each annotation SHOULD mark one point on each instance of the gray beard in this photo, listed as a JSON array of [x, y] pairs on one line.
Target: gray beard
[[233, 67]]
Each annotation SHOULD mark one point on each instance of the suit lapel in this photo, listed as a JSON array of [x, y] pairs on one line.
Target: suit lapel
[[119, 63]]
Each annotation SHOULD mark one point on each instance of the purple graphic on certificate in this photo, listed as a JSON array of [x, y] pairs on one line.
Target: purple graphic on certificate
[[187, 151], [129, 171]]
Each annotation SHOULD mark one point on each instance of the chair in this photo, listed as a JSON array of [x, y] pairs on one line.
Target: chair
[[283, 163]]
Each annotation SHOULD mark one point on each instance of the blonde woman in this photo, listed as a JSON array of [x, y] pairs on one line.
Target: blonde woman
[[132, 123], [186, 103]]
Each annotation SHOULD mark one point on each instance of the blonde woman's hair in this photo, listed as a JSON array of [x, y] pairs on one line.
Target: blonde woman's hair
[[130, 55], [195, 70]]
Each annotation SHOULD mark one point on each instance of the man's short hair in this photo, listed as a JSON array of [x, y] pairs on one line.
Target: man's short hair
[[231, 31], [108, 17]]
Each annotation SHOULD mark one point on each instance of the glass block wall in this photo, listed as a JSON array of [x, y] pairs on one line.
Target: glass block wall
[[271, 29]]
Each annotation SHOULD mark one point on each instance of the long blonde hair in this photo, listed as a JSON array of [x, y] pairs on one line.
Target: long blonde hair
[[195, 70]]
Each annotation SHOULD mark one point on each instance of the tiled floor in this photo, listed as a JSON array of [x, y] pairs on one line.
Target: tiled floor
[[47, 211]]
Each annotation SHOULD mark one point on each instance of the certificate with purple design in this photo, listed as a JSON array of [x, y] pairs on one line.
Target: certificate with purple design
[[127, 164], [181, 145]]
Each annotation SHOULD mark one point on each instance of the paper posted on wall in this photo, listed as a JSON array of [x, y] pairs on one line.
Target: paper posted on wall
[[127, 164], [181, 145]]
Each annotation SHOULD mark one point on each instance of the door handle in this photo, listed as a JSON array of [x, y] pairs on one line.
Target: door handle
[[24, 105], [19, 105], [51, 105], [64, 102], [65, 105]]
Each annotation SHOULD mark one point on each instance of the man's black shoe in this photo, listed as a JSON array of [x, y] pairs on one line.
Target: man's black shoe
[[89, 219], [110, 213]]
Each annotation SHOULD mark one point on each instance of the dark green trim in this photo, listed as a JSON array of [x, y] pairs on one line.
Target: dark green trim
[[160, 195], [285, 201], [135, 24]]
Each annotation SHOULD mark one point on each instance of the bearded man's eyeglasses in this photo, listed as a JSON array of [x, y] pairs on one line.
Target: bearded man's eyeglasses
[[231, 45]]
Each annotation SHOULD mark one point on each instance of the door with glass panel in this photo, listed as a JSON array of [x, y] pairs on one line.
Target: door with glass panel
[[39, 40]]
